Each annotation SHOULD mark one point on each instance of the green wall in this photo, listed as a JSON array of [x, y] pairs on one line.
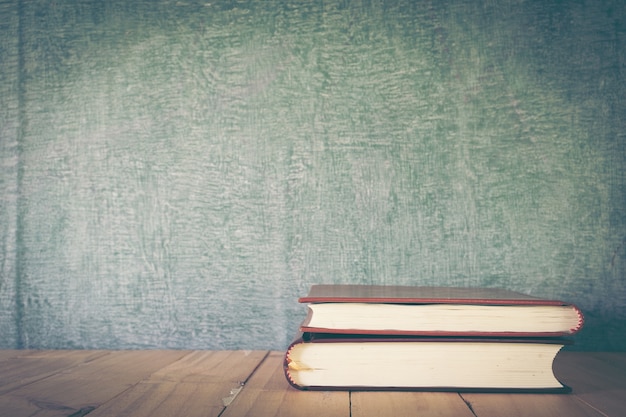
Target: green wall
[[174, 174]]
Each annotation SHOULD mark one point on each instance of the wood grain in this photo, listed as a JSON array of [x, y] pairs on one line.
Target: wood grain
[[269, 394], [426, 404], [597, 379], [201, 384], [528, 405], [21, 368], [77, 385], [252, 383]]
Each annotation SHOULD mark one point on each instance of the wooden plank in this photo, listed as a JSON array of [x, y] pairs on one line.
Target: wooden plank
[[374, 404], [10, 354], [200, 384], [528, 405], [206, 383], [80, 388], [598, 379], [615, 359], [268, 394], [22, 367]]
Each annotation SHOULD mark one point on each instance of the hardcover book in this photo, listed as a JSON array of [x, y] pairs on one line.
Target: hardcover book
[[436, 311], [357, 362]]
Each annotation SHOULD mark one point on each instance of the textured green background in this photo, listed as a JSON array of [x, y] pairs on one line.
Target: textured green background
[[174, 174]]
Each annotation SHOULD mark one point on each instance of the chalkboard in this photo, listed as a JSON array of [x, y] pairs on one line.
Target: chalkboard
[[175, 174]]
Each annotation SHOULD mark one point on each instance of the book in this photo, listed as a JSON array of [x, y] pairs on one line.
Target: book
[[359, 362], [436, 311]]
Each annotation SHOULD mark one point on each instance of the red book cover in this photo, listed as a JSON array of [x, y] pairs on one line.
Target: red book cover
[[346, 293]]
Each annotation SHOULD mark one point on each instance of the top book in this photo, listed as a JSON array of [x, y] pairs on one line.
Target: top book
[[436, 311]]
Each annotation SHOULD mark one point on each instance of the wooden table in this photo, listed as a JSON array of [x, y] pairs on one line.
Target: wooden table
[[170, 383]]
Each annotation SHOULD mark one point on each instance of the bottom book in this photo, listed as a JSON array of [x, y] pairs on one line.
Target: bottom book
[[325, 362]]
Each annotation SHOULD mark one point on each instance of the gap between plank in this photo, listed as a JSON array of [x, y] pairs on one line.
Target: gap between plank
[[350, 402], [245, 381], [589, 405], [468, 404]]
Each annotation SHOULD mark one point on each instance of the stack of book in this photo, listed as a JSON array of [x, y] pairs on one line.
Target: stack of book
[[368, 337]]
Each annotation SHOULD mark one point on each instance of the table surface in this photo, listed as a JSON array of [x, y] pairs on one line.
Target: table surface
[[154, 383]]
